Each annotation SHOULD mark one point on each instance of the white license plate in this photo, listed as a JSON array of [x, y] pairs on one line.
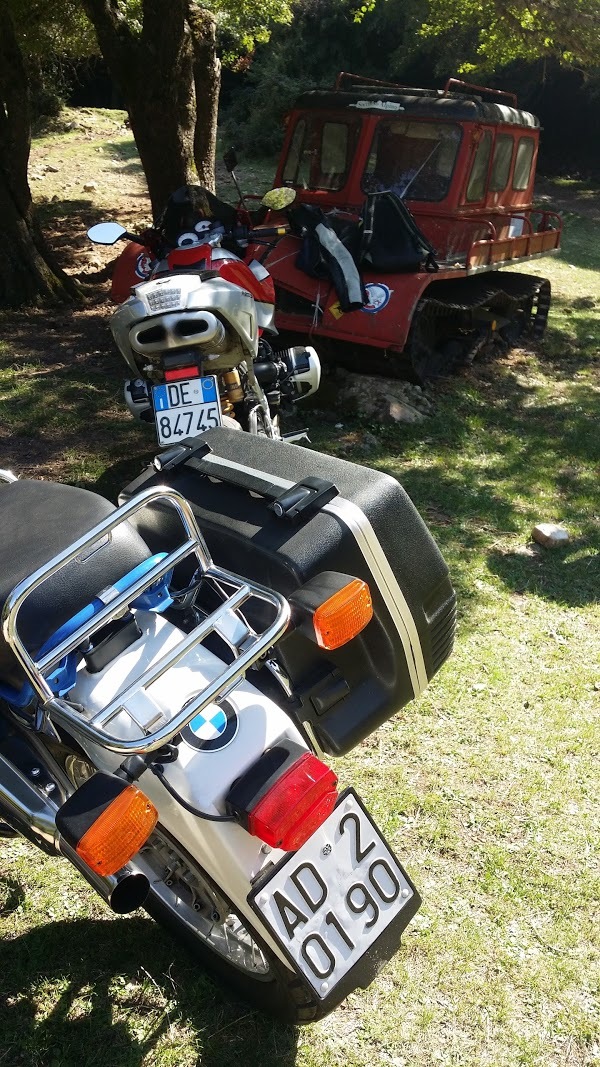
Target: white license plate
[[186, 409], [328, 902]]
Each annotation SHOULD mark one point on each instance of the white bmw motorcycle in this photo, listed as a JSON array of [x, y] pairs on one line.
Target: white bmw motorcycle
[[162, 718]]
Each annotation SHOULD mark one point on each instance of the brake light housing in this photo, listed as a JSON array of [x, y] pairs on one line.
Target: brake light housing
[[285, 796], [106, 821]]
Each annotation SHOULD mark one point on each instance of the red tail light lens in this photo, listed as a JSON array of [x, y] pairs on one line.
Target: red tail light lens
[[295, 805], [180, 373]]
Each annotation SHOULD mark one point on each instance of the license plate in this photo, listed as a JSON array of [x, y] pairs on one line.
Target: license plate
[[330, 901], [186, 409]]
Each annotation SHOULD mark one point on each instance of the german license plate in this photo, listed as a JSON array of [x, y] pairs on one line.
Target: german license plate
[[329, 902], [186, 409]]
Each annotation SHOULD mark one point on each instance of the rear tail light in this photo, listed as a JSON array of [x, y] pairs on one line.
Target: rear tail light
[[180, 373], [107, 821], [285, 796]]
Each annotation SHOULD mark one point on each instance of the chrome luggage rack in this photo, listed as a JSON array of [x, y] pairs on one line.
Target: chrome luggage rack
[[247, 646]]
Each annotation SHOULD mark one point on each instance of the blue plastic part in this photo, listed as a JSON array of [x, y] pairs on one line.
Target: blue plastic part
[[64, 675]]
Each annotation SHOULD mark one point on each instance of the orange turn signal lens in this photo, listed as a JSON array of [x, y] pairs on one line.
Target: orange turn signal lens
[[119, 832], [344, 615]]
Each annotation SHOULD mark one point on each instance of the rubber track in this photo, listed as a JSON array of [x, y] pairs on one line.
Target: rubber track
[[446, 298]]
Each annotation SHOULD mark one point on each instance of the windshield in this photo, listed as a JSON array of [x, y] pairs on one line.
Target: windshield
[[412, 159]]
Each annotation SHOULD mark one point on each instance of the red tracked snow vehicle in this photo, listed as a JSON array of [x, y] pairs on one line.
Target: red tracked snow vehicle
[[465, 167]]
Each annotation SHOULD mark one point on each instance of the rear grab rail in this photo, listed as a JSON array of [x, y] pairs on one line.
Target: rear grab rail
[[249, 646]]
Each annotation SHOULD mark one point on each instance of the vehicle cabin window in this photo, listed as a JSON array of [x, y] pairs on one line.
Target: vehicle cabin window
[[290, 170], [479, 171], [522, 172], [320, 153], [412, 159], [503, 151], [334, 155]]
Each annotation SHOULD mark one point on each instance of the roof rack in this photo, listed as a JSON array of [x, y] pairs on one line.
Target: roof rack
[[358, 82], [480, 89]]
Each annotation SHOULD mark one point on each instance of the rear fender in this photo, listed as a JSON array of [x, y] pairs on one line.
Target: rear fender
[[201, 775]]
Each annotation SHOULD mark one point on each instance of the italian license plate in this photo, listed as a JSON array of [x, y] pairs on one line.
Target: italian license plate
[[186, 408], [330, 901]]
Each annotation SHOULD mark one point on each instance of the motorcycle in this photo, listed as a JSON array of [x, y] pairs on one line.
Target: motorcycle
[[165, 717], [194, 331]]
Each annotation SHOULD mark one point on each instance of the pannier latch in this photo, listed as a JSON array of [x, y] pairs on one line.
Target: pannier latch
[[303, 498]]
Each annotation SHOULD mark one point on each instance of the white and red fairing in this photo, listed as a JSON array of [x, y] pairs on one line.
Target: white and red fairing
[[137, 264]]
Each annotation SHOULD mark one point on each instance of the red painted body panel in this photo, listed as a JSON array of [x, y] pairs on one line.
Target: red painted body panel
[[234, 270], [132, 267], [135, 263], [384, 324]]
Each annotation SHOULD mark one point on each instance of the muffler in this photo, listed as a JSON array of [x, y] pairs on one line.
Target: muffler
[[124, 891], [24, 808], [181, 329]]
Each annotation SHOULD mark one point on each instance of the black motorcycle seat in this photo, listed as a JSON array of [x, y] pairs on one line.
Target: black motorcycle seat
[[37, 521]]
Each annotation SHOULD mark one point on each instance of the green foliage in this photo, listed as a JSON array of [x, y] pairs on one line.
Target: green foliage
[[505, 30], [245, 23], [323, 39], [53, 30]]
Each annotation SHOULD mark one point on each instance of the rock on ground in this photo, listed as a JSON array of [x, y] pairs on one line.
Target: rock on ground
[[549, 535], [388, 400]]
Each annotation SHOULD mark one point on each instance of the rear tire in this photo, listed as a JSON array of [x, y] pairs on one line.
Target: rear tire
[[272, 988]]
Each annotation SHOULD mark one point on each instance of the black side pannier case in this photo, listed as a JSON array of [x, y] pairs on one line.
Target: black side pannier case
[[281, 514]]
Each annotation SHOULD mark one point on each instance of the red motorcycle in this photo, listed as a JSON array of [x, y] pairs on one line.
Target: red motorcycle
[[195, 322]]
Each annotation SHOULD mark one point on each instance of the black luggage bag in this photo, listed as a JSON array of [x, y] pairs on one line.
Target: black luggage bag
[[281, 514]]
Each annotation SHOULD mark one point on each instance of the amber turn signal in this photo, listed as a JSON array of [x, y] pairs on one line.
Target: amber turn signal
[[343, 615], [118, 832]]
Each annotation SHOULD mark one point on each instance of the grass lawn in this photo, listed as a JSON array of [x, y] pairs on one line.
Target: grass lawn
[[487, 786]]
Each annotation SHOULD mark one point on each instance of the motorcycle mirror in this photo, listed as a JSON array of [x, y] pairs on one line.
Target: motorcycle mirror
[[106, 233], [230, 159], [278, 199]]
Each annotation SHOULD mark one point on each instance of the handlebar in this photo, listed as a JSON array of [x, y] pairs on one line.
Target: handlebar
[[152, 239]]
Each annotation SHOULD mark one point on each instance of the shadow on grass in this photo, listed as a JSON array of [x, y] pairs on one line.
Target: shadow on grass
[[115, 993], [574, 346], [61, 405], [554, 576], [120, 474], [78, 212], [125, 148]]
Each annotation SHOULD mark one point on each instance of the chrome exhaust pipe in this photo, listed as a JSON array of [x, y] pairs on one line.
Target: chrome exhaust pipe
[[26, 809], [124, 891], [34, 816]]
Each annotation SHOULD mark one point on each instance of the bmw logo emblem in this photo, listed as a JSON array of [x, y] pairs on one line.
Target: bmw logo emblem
[[212, 729]]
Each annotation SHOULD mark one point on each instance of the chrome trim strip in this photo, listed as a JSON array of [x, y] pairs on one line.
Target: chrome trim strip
[[368, 542]]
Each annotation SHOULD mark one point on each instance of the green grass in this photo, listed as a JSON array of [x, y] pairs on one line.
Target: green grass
[[487, 786]]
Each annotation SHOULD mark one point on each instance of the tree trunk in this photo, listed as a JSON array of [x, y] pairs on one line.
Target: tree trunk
[[162, 128], [207, 83], [27, 271], [153, 70]]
